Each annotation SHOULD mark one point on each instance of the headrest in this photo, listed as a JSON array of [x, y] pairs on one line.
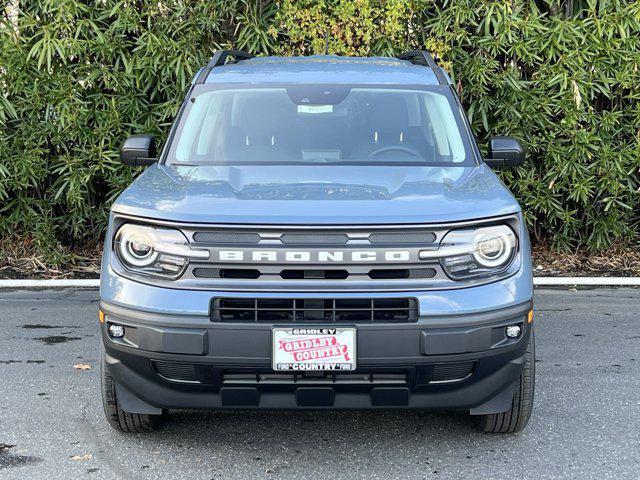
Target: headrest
[[390, 114], [264, 114]]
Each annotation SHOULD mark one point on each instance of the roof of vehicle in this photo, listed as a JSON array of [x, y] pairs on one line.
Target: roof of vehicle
[[328, 69]]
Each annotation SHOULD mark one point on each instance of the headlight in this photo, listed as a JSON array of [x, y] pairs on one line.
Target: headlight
[[480, 252], [154, 251]]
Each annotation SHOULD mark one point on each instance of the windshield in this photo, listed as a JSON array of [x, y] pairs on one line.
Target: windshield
[[320, 124]]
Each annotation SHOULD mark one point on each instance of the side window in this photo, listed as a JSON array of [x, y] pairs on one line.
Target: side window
[[446, 134], [197, 133], [210, 125]]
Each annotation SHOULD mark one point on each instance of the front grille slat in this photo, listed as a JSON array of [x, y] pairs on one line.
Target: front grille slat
[[392, 238], [226, 237], [243, 310], [330, 378], [314, 239]]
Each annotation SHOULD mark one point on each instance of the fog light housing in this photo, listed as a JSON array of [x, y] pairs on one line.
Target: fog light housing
[[116, 331], [513, 331]]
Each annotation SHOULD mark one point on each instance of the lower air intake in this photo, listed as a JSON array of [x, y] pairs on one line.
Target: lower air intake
[[297, 310], [451, 372], [177, 372]]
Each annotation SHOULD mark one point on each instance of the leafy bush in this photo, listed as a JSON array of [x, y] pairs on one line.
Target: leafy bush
[[76, 77]]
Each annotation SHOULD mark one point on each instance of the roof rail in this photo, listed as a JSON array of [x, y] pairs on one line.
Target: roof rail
[[420, 57], [220, 58]]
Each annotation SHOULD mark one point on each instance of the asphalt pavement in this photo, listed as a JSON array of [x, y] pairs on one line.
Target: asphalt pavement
[[585, 424]]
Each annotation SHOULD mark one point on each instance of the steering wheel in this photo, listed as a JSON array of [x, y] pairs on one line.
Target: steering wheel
[[395, 148]]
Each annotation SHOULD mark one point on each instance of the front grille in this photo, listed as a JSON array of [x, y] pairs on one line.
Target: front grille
[[451, 372], [315, 274], [356, 258], [177, 372], [296, 310]]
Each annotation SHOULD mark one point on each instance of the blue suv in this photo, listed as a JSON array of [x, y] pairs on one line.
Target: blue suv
[[318, 232]]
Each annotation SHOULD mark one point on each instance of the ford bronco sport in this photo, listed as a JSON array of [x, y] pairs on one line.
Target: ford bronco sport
[[318, 233]]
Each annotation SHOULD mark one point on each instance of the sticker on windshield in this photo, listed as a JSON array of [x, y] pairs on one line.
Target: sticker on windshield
[[315, 108]]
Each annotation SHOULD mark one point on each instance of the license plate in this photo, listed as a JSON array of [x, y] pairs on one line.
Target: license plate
[[314, 348]]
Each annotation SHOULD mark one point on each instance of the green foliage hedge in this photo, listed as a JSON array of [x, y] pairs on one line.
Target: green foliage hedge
[[76, 77]]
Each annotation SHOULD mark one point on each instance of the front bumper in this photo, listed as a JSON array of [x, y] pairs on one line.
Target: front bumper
[[187, 361]]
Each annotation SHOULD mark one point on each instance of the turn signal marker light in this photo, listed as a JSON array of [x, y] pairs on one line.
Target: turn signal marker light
[[530, 316], [101, 316]]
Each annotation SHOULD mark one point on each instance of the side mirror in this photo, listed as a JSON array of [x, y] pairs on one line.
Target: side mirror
[[138, 150], [505, 152]]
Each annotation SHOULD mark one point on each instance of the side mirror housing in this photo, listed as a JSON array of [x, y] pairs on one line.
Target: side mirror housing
[[139, 150], [505, 152]]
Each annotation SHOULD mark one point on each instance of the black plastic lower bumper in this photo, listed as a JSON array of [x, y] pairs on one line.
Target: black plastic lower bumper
[[461, 363]]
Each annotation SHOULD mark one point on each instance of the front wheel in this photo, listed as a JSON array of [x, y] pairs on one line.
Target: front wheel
[[116, 417], [517, 417]]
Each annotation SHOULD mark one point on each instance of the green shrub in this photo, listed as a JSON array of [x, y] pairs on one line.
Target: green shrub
[[82, 75], [77, 77], [566, 81]]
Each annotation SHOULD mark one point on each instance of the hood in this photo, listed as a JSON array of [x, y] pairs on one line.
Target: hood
[[316, 194]]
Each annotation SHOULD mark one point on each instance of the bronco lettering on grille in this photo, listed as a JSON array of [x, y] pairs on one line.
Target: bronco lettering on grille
[[303, 256]]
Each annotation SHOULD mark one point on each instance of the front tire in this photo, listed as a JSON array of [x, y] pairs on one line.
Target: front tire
[[516, 418], [116, 417]]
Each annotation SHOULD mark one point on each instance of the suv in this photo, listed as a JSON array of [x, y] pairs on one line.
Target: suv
[[318, 233]]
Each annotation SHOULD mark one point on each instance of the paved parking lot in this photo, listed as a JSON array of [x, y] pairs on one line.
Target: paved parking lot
[[586, 421]]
